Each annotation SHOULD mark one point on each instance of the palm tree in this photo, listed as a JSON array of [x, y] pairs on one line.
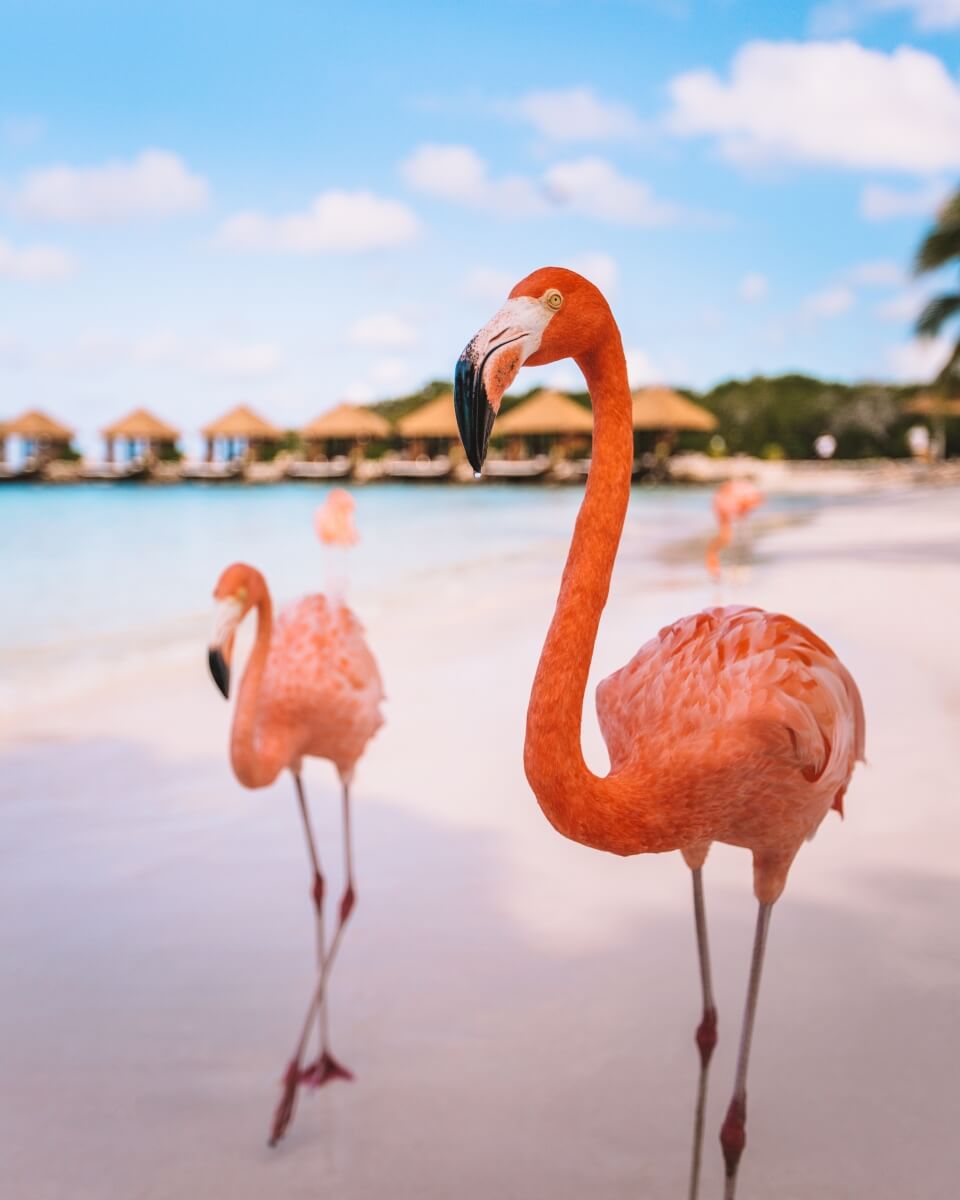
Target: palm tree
[[939, 247]]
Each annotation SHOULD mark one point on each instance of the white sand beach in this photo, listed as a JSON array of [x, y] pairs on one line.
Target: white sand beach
[[519, 1011]]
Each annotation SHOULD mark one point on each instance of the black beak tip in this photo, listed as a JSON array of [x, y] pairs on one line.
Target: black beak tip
[[474, 414], [220, 671]]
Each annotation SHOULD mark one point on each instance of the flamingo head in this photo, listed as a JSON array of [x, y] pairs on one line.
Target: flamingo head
[[552, 314], [333, 520], [238, 589]]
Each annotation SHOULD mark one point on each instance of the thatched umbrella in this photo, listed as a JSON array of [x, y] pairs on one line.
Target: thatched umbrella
[[663, 408], [344, 428], [435, 419], [243, 432], [548, 419], [432, 426], [44, 438], [140, 428]]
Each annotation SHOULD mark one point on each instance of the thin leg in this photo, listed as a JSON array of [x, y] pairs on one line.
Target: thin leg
[[733, 1135], [317, 891], [327, 1067], [706, 1032]]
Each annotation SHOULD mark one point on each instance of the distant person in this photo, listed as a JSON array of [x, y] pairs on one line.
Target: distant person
[[825, 446]]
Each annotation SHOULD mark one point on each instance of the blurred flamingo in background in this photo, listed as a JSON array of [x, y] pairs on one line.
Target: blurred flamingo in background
[[333, 520], [734, 725], [311, 688], [732, 501]]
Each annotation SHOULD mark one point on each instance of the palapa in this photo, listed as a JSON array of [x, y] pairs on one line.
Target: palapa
[[546, 413], [663, 408]]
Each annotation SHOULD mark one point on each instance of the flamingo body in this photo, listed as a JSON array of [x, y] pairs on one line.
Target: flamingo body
[[333, 520], [745, 722], [321, 692]]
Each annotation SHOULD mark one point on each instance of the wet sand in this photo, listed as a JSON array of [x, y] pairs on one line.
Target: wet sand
[[519, 1011]]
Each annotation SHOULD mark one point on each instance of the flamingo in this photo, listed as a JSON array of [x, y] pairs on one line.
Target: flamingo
[[311, 688], [732, 501], [733, 725]]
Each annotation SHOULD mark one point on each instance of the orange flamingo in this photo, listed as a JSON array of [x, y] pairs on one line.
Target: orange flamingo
[[734, 725], [311, 688], [732, 501]]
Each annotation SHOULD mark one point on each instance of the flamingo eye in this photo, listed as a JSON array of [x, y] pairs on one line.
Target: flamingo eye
[[552, 299]]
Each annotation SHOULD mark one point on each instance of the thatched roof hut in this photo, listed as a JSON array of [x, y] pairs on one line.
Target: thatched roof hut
[[435, 419], [140, 429], [35, 425], [241, 426], [141, 425], [347, 423], [928, 404], [44, 438], [545, 414], [663, 408]]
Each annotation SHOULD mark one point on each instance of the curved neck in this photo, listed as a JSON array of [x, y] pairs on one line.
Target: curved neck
[[578, 803], [249, 765]]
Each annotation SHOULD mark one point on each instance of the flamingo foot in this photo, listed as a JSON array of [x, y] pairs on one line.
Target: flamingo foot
[[288, 1098], [325, 1070]]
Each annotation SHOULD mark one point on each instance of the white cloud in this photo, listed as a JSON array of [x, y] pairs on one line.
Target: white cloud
[[919, 361], [154, 184], [574, 115], [641, 369], [906, 306], [881, 203], [753, 287], [389, 376], [596, 266], [830, 103], [382, 331], [36, 264], [337, 222], [459, 174], [840, 16], [487, 283], [594, 187], [877, 273], [831, 302]]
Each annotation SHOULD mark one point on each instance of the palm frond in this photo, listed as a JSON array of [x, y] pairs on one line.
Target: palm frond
[[939, 309]]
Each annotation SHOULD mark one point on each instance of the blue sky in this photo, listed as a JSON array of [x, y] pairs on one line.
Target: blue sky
[[296, 203]]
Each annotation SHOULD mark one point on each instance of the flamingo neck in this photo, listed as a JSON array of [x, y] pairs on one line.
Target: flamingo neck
[[578, 803], [252, 768]]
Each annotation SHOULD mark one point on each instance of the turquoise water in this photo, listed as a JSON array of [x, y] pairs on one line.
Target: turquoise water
[[95, 571]]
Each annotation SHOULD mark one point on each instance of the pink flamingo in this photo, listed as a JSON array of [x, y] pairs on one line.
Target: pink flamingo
[[311, 688], [333, 520], [734, 725], [732, 501]]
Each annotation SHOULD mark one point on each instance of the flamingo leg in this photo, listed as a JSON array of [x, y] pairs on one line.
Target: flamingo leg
[[327, 1067], [293, 1074], [733, 1134], [706, 1035], [317, 893]]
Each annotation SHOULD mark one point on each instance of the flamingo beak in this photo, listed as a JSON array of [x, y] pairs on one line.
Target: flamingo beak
[[219, 670], [488, 366], [220, 651]]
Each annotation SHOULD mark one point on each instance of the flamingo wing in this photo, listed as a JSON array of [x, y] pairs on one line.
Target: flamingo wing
[[731, 682]]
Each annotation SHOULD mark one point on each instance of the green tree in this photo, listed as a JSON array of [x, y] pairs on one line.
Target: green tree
[[939, 248]]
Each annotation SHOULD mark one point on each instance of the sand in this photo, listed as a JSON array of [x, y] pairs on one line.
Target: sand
[[519, 1011]]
